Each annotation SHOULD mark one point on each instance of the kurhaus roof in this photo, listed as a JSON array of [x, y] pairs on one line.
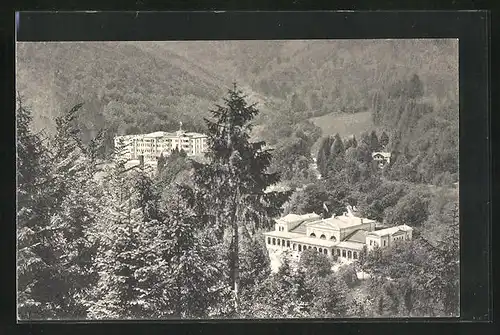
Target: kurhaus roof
[[292, 218], [314, 241], [283, 234], [339, 222], [298, 222], [357, 236], [390, 231], [350, 245]]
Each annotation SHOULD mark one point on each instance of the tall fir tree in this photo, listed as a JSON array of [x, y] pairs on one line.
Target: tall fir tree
[[374, 142], [324, 155], [384, 139], [230, 190], [337, 148], [354, 142], [57, 202], [117, 294]]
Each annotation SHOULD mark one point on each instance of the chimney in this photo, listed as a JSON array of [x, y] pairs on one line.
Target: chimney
[[349, 211]]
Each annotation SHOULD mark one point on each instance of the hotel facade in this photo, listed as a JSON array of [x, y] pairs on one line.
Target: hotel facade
[[342, 236], [151, 146]]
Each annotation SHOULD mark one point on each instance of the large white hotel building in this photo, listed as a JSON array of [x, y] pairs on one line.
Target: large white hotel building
[[151, 146]]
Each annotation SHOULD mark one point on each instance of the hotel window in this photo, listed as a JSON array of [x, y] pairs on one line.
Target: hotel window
[[338, 252], [274, 241], [349, 254], [343, 253], [384, 243], [288, 244], [300, 247], [279, 241], [294, 246], [268, 240], [320, 250], [325, 251]]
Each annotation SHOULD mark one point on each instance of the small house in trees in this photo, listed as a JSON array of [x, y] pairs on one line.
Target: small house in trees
[[382, 158], [342, 236]]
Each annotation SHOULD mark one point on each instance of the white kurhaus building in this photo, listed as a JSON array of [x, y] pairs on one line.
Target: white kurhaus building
[[342, 236]]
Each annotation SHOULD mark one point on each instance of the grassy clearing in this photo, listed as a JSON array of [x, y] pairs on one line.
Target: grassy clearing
[[343, 124]]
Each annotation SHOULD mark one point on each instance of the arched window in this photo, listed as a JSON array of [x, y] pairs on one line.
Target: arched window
[[315, 249], [309, 247], [274, 241], [333, 238], [320, 250], [279, 241], [325, 251], [288, 244], [338, 252], [355, 255], [268, 240], [300, 247], [349, 254], [343, 253], [312, 235], [323, 237], [294, 246]]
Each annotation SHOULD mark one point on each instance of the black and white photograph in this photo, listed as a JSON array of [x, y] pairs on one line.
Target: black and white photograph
[[237, 179]]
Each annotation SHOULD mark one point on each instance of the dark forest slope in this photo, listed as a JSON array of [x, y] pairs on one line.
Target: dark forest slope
[[137, 87]]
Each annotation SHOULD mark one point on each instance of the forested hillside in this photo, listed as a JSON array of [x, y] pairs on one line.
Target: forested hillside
[[186, 242], [130, 87]]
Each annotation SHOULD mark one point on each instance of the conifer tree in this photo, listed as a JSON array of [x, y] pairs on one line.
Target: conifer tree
[[229, 190], [117, 294], [324, 155], [374, 142], [337, 149], [161, 163], [414, 87], [354, 142], [57, 206], [384, 139], [32, 172]]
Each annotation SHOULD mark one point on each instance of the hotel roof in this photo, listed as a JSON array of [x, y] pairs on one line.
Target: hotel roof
[[158, 134], [391, 231]]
